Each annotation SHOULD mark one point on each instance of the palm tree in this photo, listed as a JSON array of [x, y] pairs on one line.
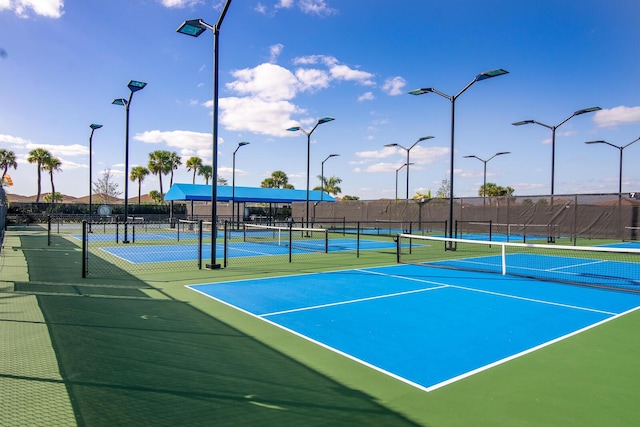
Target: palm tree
[[206, 171], [7, 160], [52, 164], [160, 164], [278, 179], [38, 156], [174, 161], [138, 173], [193, 164], [330, 185]]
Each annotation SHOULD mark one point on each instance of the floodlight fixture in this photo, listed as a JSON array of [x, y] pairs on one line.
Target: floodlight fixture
[[452, 98]]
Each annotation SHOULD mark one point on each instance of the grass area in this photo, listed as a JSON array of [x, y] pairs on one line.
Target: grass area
[[140, 348]]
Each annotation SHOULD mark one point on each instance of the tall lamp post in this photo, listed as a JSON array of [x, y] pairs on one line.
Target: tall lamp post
[[194, 28], [233, 183], [93, 127], [482, 76], [308, 133], [322, 175], [133, 86], [407, 164], [620, 148], [553, 138], [398, 170], [484, 186]]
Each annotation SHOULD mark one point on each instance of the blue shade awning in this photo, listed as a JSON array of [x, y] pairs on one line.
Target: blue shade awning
[[200, 192]]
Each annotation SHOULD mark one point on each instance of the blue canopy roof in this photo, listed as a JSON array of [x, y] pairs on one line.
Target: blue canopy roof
[[200, 192]]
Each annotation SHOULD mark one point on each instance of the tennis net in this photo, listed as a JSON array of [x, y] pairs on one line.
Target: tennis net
[[306, 239], [599, 266]]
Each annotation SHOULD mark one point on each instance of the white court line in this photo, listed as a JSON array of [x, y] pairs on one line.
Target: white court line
[[333, 304], [576, 265], [522, 353]]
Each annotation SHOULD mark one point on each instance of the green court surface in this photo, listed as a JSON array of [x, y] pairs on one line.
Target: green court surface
[[142, 349]]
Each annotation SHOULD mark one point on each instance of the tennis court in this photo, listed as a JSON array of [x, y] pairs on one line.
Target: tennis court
[[140, 254], [424, 326]]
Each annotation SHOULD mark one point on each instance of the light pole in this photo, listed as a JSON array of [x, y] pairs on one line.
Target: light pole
[[484, 186], [322, 175], [553, 138], [194, 28], [93, 127], [620, 148], [133, 86], [233, 183], [298, 128], [398, 170], [482, 76], [407, 164]]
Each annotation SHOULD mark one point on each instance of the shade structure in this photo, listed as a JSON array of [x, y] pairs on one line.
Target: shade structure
[[202, 193]]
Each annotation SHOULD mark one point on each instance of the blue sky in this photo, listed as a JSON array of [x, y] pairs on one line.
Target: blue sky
[[290, 62]]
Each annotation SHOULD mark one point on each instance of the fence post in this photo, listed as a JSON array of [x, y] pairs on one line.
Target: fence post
[[85, 252], [199, 244]]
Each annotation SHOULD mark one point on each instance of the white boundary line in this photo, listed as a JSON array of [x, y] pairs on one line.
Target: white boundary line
[[440, 286]]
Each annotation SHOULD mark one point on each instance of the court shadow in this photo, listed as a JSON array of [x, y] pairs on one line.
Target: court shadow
[[162, 362]]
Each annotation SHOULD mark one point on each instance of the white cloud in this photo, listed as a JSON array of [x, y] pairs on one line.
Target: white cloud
[[182, 139], [343, 72], [180, 4], [317, 7], [377, 154], [266, 81], [257, 115], [617, 116], [379, 167], [14, 140], [275, 51], [311, 79], [315, 59], [367, 96], [284, 4], [47, 8], [61, 150], [394, 85]]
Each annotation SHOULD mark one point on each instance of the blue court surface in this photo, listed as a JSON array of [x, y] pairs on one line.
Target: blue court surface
[[138, 254], [588, 271], [425, 326]]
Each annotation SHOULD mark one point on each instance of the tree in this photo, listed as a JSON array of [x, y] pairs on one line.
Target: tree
[[278, 179], [347, 197], [156, 197], [138, 173], [38, 156], [330, 185], [160, 163], [206, 171], [194, 164], [422, 196], [7, 160], [174, 161], [493, 190], [56, 198], [105, 188], [445, 189], [52, 164]]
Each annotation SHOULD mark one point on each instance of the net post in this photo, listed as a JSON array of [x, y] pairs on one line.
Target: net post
[[490, 229], [398, 246], [358, 240], [85, 238], [225, 241], [326, 241], [133, 231], [290, 241], [504, 259], [178, 230], [48, 230], [244, 232], [117, 229], [199, 244]]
